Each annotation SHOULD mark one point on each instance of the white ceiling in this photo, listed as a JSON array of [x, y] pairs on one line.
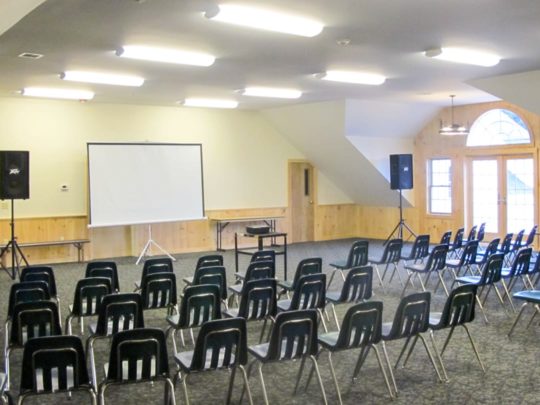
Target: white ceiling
[[387, 37]]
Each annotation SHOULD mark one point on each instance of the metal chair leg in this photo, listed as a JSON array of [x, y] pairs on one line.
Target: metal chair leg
[[402, 351], [474, 347], [333, 372], [231, 385], [381, 366], [390, 368], [360, 362], [411, 349], [517, 319], [335, 316], [265, 395], [536, 311], [246, 384], [314, 360], [439, 356], [431, 357], [299, 375]]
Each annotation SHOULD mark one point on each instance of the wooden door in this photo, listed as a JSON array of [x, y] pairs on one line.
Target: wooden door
[[301, 197]]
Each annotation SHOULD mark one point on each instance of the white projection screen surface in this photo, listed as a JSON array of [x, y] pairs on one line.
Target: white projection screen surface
[[144, 183]]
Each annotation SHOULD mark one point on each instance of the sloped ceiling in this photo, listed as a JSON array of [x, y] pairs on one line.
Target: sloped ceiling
[[11, 11]]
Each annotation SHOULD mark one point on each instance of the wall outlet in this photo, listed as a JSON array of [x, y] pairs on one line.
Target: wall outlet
[[64, 187]]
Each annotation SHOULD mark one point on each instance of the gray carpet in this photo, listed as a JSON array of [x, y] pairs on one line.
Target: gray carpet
[[511, 365]]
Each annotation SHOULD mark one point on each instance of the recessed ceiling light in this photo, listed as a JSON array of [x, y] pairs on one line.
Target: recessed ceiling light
[[467, 56], [166, 55], [102, 78], [210, 102], [46, 92], [271, 92], [265, 19], [347, 76]]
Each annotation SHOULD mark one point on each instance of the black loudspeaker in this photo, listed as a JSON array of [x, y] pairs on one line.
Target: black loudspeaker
[[401, 172], [14, 175]]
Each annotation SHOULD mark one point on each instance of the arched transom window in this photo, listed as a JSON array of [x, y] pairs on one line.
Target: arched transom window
[[498, 127]]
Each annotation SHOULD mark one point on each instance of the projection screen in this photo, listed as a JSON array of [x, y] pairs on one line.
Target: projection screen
[[144, 183]]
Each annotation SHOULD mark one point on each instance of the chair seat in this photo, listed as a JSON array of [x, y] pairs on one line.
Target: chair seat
[[92, 328], [188, 280], [505, 272], [417, 267], [231, 313], [385, 329], [240, 275], [339, 264], [259, 351], [329, 340], [376, 261], [283, 305], [468, 279], [454, 263], [236, 288], [286, 285], [184, 359], [532, 296], [173, 319], [434, 320], [333, 296]]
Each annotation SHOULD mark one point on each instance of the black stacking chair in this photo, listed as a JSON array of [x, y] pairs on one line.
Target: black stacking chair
[[518, 269], [515, 246], [490, 275], [138, 355], [390, 257], [446, 238], [361, 329], [471, 236], [155, 265], [88, 295], [358, 256], [455, 248], [257, 302], [358, 286], [312, 265], [435, 264], [255, 271], [104, 269], [480, 235], [530, 237], [54, 364], [465, 261], [458, 311], [200, 303], [530, 297], [534, 270], [490, 249], [42, 273], [117, 312], [221, 345], [30, 319], [158, 291], [263, 255], [419, 251], [209, 260], [506, 244], [293, 337], [210, 275], [410, 322], [310, 293]]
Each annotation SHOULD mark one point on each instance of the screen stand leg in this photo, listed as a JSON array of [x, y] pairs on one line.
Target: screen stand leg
[[149, 244]]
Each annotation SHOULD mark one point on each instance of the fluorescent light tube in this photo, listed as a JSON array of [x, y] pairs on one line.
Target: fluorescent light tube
[[467, 56], [57, 93], [210, 102], [353, 77], [268, 20], [271, 92], [102, 78], [177, 56]]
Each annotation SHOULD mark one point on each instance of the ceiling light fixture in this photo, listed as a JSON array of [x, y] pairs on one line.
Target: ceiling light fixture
[[453, 129], [102, 78], [165, 55], [265, 19], [68, 94], [467, 56], [209, 102], [352, 77], [271, 92]]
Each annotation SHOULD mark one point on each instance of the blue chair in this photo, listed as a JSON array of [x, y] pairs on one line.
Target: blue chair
[[358, 256], [530, 297], [390, 257], [435, 263]]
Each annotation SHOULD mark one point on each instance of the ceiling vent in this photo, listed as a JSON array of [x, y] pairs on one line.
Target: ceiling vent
[[30, 55]]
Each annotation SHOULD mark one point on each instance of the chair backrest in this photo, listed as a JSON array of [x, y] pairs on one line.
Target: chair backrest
[[138, 355], [310, 292], [40, 273], [263, 255], [491, 248], [420, 248], [34, 319], [506, 243], [53, 363], [258, 300], [361, 325], [392, 251], [200, 303], [165, 261], [481, 232], [468, 256], [491, 272], [312, 265], [412, 316], [158, 290], [212, 275], [446, 238], [118, 312], [517, 242], [459, 307], [104, 269], [293, 336], [358, 285], [260, 269], [458, 239], [472, 233], [88, 295], [437, 258], [221, 343], [520, 264], [532, 234], [209, 260], [358, 255], [27, 291]]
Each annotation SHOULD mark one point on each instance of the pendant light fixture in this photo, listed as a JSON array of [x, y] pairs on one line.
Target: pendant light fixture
[[453, 129]]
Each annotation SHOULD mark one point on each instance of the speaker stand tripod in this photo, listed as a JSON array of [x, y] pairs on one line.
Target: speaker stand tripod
[[17, 256], [150, 243], [398, 229]]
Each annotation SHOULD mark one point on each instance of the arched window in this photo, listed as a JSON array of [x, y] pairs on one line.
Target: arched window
[[498, 127]]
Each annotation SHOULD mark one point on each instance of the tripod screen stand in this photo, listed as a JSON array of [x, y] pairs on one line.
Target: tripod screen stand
[[397, 232], [17, 256]]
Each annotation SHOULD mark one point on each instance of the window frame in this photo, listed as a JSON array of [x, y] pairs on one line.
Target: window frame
[[431, 186]]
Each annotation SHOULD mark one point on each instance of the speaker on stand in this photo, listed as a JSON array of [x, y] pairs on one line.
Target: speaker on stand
[[401, 178], [14, 185]]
